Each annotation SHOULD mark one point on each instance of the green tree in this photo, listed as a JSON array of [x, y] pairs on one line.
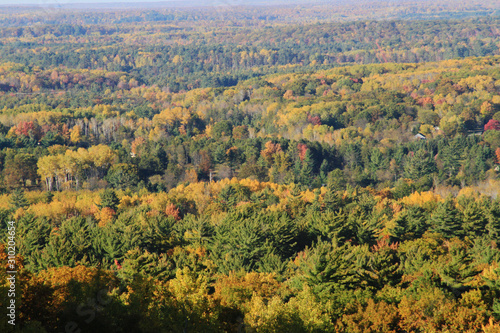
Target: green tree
[[473, 217], [122, 176], [419, 164], [109, 199], [19, 168], [336, 180], [306, 172], [452, 125], [18, 199], [446, 219], [451, 155]]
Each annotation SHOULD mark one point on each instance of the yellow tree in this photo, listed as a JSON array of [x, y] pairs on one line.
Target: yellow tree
[[48, 170], [76, 134]]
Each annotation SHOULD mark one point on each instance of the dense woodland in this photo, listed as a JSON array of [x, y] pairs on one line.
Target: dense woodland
[[303, 168]]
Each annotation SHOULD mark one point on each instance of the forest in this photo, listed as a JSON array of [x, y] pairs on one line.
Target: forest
[[293, 168]]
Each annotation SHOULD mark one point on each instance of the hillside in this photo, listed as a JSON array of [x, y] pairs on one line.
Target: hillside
[[299, 168]]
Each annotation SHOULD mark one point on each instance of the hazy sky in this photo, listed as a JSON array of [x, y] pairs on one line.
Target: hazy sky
[[56, 2], [62, 2]]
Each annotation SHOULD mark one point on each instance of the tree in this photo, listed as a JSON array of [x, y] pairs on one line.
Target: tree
[[446, 219], [452, 125], [19, 168], [450, 155], [270, 150], [419, 164], [474, 218], [492, 124], [327, 267], [336, 180], [306, 172], [18, 199], [222, 128], [76, 134], [68, 246], [109, 199], [122, 176], [493, 138], [48, 196]]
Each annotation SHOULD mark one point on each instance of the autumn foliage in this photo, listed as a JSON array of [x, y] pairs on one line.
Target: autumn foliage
[[252, 169]]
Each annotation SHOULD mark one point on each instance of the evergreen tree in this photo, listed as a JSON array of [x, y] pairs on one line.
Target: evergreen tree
[[352, 156], [493, 224], [377, 160], [330, 225], [446, 219], [109, 199], [378, 268], [18, 199], [327, 266], [451, 155], [68, 246], [33, 235], [238, 244], [332, 200], [336, 180], [264, 198], [474, 219], [306, 172], [419, 164], [410, 224], [147, 264], [272, 263], [123, 176], [456, 269], [48, 196], [108, 243], [323, 172], [296, 206]]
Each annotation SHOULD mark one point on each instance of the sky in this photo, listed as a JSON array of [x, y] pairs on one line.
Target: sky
[[56, 2], [66, 2], [62, 2]]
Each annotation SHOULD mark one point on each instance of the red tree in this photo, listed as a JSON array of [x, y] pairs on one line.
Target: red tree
[[28, 128], [497, 155], [492, 125], [302, 148]]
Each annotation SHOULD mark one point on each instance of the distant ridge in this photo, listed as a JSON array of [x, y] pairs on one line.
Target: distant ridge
[[161, 4]]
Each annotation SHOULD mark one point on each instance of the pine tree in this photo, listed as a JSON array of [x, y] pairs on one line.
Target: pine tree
[[451, 156], [137, 261], [306, 172], [18, 199], [474, 219], [109, 244], [323, 171], [48, 196], [456, 269], [328, 266], [332, 200], [33, 235], [69, 245], [377, 160], [412, 222], [337, 180], [331, 225], [446, 219], [379, 267], [352, 156], [272, 263], [419, 164], [109, 199], [493, 224]]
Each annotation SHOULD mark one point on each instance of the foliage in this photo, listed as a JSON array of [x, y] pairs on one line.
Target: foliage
[[271, 169]]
